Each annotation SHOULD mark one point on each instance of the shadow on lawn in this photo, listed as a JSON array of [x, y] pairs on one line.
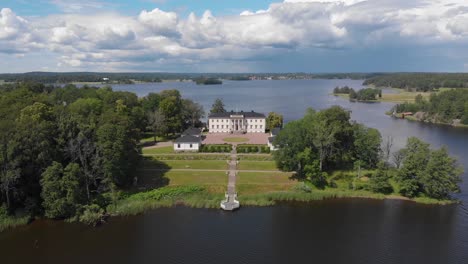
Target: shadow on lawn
[[151, 174]]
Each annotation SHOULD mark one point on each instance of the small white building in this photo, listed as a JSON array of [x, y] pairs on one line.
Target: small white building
[[237, 122], [273, 133], [189, 141]]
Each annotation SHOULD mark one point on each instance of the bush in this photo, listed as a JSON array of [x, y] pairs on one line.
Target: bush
[[92, 215]]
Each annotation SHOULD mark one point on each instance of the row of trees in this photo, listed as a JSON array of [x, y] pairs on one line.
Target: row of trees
[[443, 107], [65, 150], [324, 141], [420, 81]]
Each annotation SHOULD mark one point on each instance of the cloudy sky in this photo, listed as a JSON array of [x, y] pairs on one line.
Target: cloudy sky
[[234, 36]]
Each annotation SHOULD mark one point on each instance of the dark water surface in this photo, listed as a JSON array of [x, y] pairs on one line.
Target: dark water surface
[[337, 231]]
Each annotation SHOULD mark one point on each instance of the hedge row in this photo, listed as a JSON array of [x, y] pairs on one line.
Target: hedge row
[[216, 148], [252, 149]]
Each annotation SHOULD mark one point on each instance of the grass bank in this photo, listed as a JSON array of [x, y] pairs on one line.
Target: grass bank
[[7, 222]]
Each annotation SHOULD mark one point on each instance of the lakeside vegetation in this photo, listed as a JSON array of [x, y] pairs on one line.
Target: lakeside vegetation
[[66, 151], [326, 141], [447, 107]]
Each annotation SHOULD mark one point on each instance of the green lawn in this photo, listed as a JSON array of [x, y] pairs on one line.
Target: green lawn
[[263, 182], [235, 139], [196, 178], [189, 164], [161, 150], [257, 165]]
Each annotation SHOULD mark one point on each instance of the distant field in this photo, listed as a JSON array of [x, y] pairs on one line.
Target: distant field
[[403, 96]]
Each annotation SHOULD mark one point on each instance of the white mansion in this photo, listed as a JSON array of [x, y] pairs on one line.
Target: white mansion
[[237, 122]]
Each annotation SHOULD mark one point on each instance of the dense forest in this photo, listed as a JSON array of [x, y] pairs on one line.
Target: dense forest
[[444, 107], [420, 81], [326, 141], [64, 151]]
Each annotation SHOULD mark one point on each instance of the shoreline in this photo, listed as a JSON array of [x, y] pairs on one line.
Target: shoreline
[[414, 119], [206, 200]]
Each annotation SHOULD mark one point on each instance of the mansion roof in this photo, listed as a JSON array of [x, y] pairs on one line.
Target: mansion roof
[[251, 114]]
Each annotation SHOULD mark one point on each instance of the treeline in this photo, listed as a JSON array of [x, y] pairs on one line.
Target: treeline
[[123, 77], [327, 141], [65, 151], [70, 77], [342, 90], [444, 107], [420, 81]]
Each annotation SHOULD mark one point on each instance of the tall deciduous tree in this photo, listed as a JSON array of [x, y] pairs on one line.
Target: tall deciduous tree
[[417, 154], [274, 120], [218, 107], [157, 122], [192, 113], [366, 145], [441, 175], [61, 192]]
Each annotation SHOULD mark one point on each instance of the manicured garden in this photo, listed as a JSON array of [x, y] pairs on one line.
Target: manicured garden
[[245, 148]]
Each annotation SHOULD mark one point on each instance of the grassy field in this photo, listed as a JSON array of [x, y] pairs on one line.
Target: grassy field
[[402, 96], [263, 182], [257, 165], [161, 150], [187, 164], [177, 178], [235, 139]]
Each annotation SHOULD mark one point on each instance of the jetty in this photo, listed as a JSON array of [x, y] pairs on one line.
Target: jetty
[[230, 202]]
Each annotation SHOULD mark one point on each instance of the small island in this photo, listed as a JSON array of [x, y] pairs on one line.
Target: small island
[[362, 95], [208, 81]]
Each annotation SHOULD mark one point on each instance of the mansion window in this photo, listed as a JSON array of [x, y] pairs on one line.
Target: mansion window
[[178, 145], [217, 126], [190, 145]]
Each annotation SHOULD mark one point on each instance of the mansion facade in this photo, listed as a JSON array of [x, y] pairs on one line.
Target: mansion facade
[[237, 122]]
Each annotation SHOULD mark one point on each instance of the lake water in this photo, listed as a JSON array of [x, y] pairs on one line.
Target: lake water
[[335, 231]]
